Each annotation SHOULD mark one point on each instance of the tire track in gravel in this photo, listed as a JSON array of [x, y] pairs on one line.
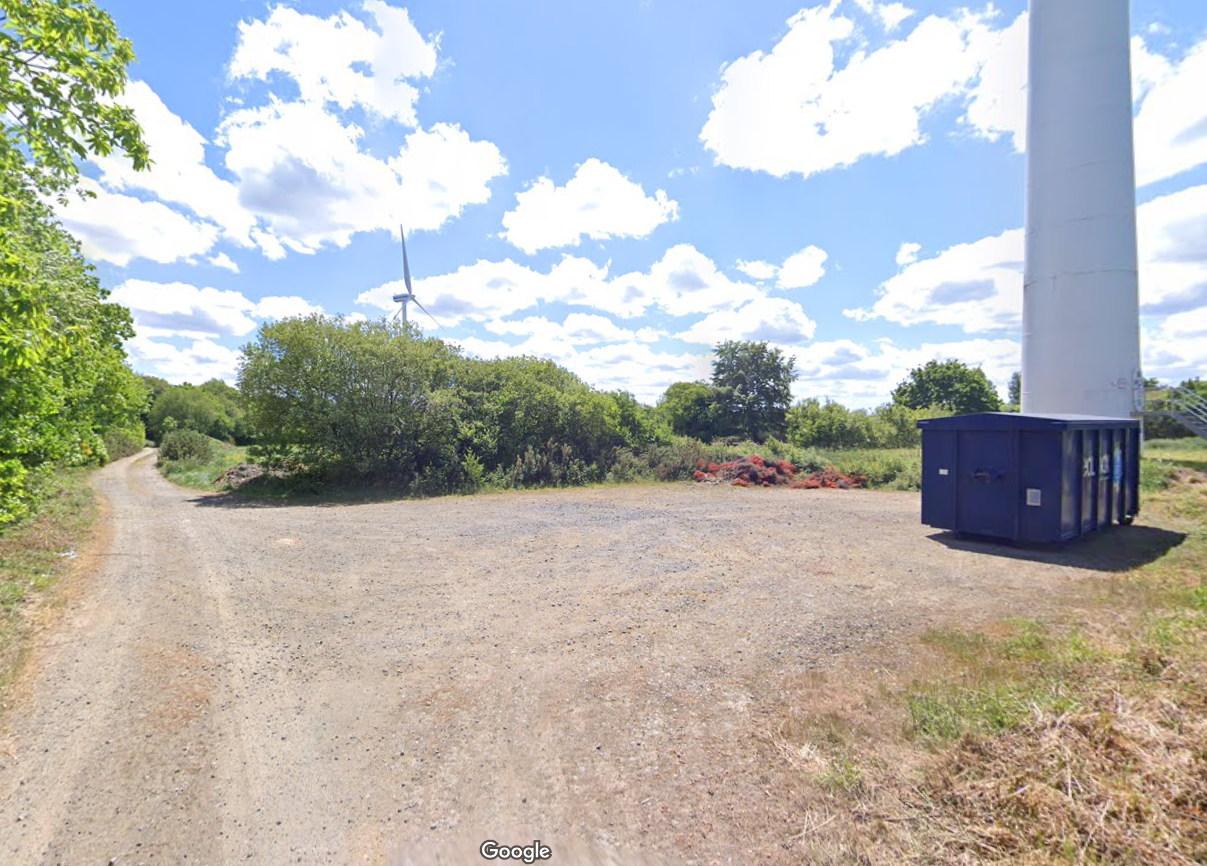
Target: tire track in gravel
[[109, 763]]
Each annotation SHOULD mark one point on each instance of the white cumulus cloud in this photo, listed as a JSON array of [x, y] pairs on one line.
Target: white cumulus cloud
[[863, 376], [597, 203], [758, 270], [184, 310], [800, 270], [796, 110], [774, 320], [978, 286], [304, 172], [118, 228], [683, 282], [197, 362], [222, 260], [907, 253], [1171, 120], [296, 172], [325, 57]]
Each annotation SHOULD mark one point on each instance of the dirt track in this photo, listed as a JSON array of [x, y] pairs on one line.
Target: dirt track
[[355, 684]]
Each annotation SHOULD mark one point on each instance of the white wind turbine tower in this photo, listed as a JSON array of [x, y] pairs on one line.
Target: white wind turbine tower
[[409, 294]]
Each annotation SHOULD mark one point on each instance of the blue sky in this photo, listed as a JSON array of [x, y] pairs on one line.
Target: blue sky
[[621, 186]]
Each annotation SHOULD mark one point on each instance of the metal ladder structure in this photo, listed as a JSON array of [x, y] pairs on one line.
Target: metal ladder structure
[[1186, 407]]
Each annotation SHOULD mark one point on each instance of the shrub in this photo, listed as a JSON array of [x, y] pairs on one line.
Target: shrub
[[122, 443], [553, 465], [182, 445], [812, 423]]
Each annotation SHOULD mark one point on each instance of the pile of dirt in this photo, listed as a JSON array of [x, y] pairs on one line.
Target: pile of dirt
[[759, 472], [239, 475]]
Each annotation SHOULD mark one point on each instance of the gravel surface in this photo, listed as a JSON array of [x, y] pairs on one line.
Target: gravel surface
[[374, 683]]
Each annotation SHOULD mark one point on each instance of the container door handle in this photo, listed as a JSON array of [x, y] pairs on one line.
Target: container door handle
[[987, 476]]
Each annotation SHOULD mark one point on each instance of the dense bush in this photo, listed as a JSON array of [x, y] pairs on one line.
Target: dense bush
[[361, 396], [373, 401], [812, 424], [214, 408], [122, 443], [186, 446], [553, 465], [380, 401], [63, 378], [673, 460]]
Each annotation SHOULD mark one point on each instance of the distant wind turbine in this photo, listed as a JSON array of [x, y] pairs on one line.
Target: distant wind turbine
[[409, 294]]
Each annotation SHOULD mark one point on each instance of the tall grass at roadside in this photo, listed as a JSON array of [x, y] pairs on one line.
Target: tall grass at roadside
[[200, 469], [891, 469], [36, 551]]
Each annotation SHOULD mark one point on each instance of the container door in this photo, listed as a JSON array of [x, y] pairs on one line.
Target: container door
[[1131, 473], [1070, 484], [939, 478], [1116, 486], [1089, 479], [987, 485]]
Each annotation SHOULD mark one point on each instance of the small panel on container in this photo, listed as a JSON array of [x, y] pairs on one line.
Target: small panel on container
[[1035, 498]]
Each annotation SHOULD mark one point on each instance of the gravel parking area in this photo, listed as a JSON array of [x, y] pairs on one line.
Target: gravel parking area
[[368, 683]]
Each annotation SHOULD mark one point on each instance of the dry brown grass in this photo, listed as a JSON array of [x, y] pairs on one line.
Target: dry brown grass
[[1081, 738], [34, 555], [1122, 781]]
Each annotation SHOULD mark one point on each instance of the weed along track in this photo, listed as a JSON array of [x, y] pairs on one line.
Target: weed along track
[[596, 669]]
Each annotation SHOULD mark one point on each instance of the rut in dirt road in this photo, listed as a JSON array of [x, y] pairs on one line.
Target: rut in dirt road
[[347, 684]]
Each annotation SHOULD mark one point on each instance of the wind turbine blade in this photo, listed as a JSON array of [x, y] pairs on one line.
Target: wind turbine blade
[[406, 266], [429, 315]]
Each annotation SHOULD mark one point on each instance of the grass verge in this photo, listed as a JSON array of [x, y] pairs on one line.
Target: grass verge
[[1073, 737], [202, 475], [35, 553]]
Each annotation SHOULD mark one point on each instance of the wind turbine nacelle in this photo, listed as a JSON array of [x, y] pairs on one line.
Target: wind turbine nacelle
[[398, 299]]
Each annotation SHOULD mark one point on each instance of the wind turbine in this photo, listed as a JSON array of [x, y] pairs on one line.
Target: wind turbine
[[409, 294]]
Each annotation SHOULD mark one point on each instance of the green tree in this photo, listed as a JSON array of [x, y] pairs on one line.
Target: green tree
[[688, 408], [896, 426], [369, 397], [754, 388], [510, 406], [190, 408], [814, 424], [1015, 388], [62, 63], [949, 385], [58, 409], [234, 417], [62, 371]]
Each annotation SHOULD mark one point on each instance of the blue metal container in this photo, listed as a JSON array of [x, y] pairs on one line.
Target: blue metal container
[[1029, 478]]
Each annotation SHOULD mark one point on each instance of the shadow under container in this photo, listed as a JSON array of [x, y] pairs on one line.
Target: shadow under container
[[1029, 478]]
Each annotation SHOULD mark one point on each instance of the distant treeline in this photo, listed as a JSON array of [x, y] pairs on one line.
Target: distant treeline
[[325, 398]]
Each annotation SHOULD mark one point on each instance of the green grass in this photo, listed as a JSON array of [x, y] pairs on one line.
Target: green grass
[[1163, 457], [1002, 676], [201, 476], [35, 552], [886, 469]]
